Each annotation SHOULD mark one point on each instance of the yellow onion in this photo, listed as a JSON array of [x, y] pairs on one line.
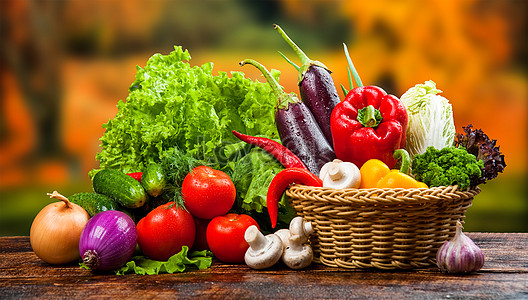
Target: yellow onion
[[56, 230]]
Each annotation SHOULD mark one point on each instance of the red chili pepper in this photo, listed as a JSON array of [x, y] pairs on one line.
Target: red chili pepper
[[136, 175], [280, 183], [368, 124], [287, 158]]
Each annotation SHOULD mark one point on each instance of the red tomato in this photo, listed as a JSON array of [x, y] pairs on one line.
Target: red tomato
[[208, 193], [136, 175], [225, 236], [165, 230]]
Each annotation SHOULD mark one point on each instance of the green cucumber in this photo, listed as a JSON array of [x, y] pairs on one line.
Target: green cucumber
[[93, 203], [125, 190], [154, 180]]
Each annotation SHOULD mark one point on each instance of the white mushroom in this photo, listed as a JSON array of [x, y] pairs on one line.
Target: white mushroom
[[340, 175], [297, 255], [324, 168], [263, 251], [284, 235], [298, 226]]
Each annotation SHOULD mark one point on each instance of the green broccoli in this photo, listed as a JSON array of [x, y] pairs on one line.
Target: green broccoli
[[447, 166]]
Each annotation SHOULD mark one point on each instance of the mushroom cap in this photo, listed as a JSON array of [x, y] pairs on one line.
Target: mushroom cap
[[284, 235], [298, 257], [267, 256]]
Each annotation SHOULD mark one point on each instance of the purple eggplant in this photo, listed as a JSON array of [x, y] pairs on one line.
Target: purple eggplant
[[297, 127], [316, 87]]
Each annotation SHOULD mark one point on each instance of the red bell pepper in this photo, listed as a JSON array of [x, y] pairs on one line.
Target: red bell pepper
[[368, 124]]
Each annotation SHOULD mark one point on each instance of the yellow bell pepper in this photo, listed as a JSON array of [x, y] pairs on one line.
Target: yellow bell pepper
[[372, 171], [397, 179], [376, 174]]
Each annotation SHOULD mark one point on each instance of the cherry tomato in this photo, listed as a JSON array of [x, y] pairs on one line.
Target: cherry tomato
[[165, 230], [136, 175], [225, 236], [208, 193]]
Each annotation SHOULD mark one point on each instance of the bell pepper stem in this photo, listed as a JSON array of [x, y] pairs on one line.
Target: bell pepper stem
[[369, 116], [405, 158]]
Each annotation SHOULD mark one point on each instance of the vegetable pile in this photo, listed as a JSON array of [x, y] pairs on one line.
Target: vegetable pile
[[195, 165]]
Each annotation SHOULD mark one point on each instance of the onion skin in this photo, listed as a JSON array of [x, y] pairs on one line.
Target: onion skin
[[55, 231], [108, 240], [460, 254]]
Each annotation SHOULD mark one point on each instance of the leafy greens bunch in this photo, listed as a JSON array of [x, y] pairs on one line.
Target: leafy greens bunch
[[174, 109]]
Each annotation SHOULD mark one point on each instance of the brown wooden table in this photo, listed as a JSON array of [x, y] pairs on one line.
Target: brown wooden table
[[504, 276]]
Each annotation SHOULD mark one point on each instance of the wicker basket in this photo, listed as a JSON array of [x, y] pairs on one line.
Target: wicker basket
[[380, 228]]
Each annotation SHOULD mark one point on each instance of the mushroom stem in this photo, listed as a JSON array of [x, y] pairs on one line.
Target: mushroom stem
[[308, 229], [296, 243], [335, 172], [256, 240]]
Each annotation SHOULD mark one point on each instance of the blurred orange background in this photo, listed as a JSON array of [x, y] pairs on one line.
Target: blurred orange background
[[65, 64]]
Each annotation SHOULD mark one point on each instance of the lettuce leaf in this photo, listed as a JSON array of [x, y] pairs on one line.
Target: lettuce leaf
[[252, 175], [179, 262], [173, 104]]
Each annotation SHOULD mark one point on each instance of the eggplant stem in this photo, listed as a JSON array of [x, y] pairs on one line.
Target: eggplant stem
[[283, 98], [304, 58], [351, 66], [289, 61]]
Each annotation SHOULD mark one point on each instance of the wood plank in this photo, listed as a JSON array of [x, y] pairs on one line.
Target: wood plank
[[503, 252], [505, 275]]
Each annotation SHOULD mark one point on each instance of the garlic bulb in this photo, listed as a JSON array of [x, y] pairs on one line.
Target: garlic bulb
[[460, 254]]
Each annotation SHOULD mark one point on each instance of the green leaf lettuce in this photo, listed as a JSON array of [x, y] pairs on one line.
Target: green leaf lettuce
[[173, 104]]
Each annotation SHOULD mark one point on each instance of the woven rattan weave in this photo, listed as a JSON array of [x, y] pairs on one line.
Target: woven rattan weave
[[380, 228]]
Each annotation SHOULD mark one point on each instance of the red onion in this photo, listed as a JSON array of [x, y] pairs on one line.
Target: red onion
[[108, 240]]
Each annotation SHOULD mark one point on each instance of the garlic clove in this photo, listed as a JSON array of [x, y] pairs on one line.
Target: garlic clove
[[460, 254]]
